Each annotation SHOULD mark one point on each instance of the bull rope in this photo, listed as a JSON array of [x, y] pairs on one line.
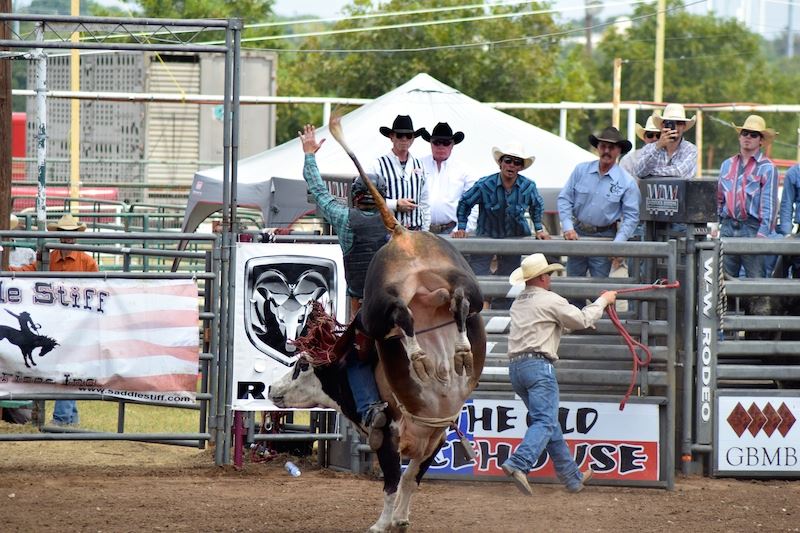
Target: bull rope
[[424, 420], [630, 341]]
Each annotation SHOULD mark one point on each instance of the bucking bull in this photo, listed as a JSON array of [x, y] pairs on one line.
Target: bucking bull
[[421, 306]]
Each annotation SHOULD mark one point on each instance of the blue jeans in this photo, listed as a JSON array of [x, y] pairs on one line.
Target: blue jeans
[[598, 267], [361, 376], [753, 264], [65, 412], [534, 381], [506, 264]]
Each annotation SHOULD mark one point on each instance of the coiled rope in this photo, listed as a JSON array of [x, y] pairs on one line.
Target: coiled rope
[[632, 343]]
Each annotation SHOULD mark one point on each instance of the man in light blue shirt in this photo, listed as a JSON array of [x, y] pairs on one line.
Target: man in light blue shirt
[[790, 212], [599, 200]]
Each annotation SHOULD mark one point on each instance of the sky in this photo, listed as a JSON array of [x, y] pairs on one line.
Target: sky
[[767, 17]]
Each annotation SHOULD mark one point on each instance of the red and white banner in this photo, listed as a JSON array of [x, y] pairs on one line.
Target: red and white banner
[[132, 339]]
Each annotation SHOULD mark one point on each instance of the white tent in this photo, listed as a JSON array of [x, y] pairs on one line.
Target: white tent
[[273, 180]]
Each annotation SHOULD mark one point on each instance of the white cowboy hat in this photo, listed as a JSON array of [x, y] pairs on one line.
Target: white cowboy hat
[[67, 223], [13, 222], [757, 123], [673, 112], [514, 149], [531, 267], [648, 126]]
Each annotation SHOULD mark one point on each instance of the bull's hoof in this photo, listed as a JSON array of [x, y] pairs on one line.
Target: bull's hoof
[[423, 367], [379, 528], [462, 361], [400, 526]]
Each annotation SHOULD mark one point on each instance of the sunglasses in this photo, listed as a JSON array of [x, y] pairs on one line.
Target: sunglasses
[[442, 142], [652, 135], [404, 135], [508, 160], [750, 133]]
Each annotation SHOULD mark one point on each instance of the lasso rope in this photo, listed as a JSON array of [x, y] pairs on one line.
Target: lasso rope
[[427, 421], [632, 343]]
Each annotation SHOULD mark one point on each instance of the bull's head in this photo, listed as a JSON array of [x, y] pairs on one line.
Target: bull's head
[[300, 388], [289, 303]]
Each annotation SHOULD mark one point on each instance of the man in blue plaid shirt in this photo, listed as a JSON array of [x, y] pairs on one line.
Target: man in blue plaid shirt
[[503, 199]]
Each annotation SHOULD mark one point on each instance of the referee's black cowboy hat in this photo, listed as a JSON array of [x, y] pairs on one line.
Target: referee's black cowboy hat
[[613, 136], [443, 131], [401, 124]]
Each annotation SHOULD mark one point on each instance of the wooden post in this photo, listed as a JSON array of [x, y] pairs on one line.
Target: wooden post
[[5, 145], [615, 98], [661, 22]]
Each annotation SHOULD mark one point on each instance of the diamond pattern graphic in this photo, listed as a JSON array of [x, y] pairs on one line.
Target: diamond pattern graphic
[[755, 419], [787, 421], [758, 419], [773, 420], [739, 419]]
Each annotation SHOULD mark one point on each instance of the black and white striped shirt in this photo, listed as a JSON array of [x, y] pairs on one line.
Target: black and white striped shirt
[[408, 182]]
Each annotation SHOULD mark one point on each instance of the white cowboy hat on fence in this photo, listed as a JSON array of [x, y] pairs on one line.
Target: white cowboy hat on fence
[[67, 223], [757, 123], [514, 149], [531, 267], [648, 126], [13, 222], [673, 112]]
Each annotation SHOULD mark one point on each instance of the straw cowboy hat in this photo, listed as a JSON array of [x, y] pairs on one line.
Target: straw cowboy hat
[[514, 149], [648, 126], [401, 124], [756, 123], [67, 223], [613, 136], [673, 112], [13, 222], [531, 267], [444, 132]]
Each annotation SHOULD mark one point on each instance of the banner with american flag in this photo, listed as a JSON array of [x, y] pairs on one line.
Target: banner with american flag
[[132, 339]]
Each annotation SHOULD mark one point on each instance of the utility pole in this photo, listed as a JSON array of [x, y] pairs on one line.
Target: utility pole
[[661, 22], [616, 92], [790, 30], [5, 145], [593, 8], [75, 113]]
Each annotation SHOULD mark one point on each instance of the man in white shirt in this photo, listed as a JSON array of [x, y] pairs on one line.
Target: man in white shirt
[[407, 192], [446, 179]]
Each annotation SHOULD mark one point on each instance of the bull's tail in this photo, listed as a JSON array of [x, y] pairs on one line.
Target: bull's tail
[[389, 220]]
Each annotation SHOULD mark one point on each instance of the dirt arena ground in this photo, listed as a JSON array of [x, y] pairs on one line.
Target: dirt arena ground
[[134, 487]]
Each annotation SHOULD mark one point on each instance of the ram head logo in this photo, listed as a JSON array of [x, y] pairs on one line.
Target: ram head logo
[[279, 303]]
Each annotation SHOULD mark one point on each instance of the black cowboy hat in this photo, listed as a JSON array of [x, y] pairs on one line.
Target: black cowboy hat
[[401, 124], [613, 136], [443, 131]]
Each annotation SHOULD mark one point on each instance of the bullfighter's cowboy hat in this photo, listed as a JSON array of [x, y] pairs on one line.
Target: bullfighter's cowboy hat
[[757, 123], [67, 223], [444, 132], [673, 112], [401, 124], [613, 136], [648, 126], [531, 267], [514, 149]]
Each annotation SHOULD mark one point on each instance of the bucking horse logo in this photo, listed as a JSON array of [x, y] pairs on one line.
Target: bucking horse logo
[[27, 337]]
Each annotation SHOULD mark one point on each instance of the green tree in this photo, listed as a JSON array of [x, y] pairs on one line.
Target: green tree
[[248, 10], [517, 58], [706, 60]]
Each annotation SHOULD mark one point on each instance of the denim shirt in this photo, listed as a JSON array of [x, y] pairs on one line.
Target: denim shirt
[[790, 201], [600, 200]]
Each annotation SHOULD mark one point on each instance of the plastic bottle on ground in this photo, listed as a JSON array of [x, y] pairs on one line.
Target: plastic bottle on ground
[[292, 469]]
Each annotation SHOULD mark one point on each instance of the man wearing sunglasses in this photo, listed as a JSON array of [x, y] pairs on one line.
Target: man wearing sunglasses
[[503, 199], [648, 135], [671, 155], [446, 179], [747, 195], [407, 192]]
